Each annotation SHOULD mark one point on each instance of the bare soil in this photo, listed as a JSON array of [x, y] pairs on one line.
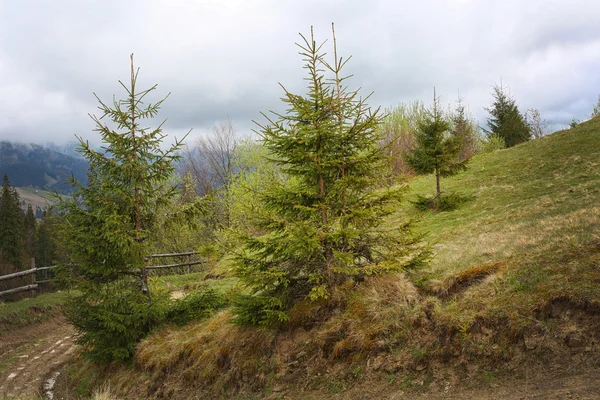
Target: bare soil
[[544, 385], [32, 355]]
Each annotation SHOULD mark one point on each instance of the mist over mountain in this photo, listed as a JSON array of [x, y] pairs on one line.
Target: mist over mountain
[[40, 167]]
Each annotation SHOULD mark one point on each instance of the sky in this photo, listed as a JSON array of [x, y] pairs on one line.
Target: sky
[[225, 59]]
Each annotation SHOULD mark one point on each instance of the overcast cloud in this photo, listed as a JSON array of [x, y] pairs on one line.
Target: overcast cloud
[[225, 58]]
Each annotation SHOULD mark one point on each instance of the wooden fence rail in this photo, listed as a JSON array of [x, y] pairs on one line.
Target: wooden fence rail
[[17, 274], [34, 282], [34, 285]]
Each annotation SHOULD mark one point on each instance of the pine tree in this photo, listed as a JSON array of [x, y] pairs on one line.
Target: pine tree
[[506, 121], [437, 148], [322, 225], [45, 247], [463, 128], [11, 227], [108, 224], [29, 229]]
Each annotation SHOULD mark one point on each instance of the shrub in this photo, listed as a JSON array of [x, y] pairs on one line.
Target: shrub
[[199, 304], [114, 319], [492, 143], [445, 202]]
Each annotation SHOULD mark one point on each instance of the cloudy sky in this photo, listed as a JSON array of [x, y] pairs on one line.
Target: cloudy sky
[[224, 58]]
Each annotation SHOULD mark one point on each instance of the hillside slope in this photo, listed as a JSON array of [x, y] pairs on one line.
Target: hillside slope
[[34, 166], [512, 295]]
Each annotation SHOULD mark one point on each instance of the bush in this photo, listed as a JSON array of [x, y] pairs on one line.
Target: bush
[[259, 310], [114, 319], [446, 202], [492, 143], [197, 305]]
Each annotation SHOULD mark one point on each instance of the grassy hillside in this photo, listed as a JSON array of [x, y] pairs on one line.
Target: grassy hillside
[[534, 217], [36, 197], [514, 285]]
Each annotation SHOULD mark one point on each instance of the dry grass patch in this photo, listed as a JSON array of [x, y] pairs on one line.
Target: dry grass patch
[[213, 356]]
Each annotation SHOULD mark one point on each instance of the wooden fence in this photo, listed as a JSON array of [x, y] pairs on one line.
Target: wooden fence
[[35, 283]]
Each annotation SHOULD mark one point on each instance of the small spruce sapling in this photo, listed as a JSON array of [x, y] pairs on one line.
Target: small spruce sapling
[[437, 149]]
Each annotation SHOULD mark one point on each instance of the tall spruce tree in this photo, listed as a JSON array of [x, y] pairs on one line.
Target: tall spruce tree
[[506, 121], [438, 147], [45, 246], [323, 224], [108, 223], [11, 228], [29, 225]]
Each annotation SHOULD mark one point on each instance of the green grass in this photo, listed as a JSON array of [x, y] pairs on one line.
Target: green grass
[[36, 197], [535, 211], [14, 315]]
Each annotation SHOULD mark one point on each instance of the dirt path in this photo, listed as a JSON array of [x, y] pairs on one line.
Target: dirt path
[[33, 354]]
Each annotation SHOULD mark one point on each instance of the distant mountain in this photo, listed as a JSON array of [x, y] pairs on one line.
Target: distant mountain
[[35, 166], [69, 148]]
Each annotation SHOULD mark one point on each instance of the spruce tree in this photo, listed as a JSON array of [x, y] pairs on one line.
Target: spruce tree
[[45, 247], [29, 230], [323, 224], [506, 121], [108, 223], [438, 147], [11, 228], [463, 127]]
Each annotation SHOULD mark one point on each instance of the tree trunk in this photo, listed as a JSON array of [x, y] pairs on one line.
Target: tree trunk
[[437, 183]]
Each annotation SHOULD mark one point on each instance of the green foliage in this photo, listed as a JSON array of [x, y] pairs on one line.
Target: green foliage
[[464, 128], [445, 202], [176, 225], [256, 174], [201, 303], [574, 122], [45, 245], [492, 143], [108, 226], [259, 310], [321, 224], [506, 120], [29, 225], [398, 134], [112, 317], [437, 147], [596, 110], [11, 228]]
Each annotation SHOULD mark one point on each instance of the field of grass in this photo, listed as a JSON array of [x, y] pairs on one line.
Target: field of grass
[[14, 315], [535, 212], [36, 197]]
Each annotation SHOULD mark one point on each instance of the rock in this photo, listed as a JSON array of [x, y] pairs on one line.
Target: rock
[[530, 342], [575, 340], [377, 363]]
